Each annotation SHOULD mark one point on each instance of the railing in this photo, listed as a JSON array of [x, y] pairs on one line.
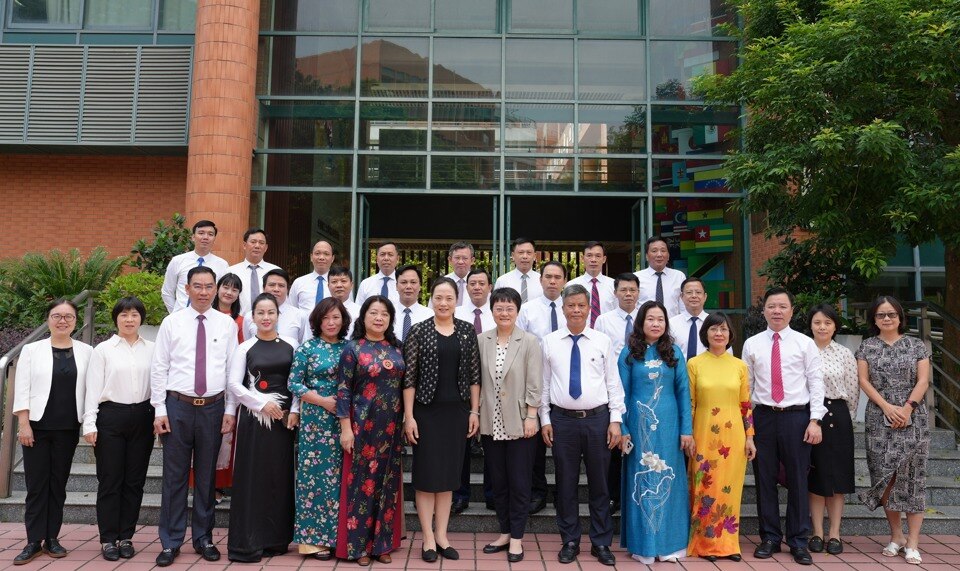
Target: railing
[[8, 428]]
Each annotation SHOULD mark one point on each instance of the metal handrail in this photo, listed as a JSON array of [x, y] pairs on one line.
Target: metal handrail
[[7, 426]]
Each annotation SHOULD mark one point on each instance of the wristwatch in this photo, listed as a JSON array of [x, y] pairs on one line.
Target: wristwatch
[[913, 404], [819, 421]]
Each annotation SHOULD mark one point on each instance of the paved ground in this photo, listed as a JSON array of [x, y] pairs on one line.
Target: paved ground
[[940, 552]]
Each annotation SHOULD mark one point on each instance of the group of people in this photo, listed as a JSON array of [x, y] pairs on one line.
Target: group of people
[[252, 384]]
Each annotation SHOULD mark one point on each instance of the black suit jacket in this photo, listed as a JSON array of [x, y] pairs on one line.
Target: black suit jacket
[[422, 359]]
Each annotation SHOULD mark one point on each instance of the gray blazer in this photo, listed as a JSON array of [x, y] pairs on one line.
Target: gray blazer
[[522, 380]]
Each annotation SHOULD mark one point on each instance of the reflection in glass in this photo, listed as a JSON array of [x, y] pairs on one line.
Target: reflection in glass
[[689, 175], [898, 284], [295, 221], [466, 67], [608, 16], [392, 171], [306, 124], [688, 17], [932, 253], [674, 64], [315, 15], [308, 170], [398, 15], [539, 69], [394, 67], [620, 175], [178, 15], [65, 13], [393, 125], [693, 130], [465, 173], [612, 128], [539, 128], [611, 70], [538, 173], [553, 15], [466, 127], [479, 15], [313, 65], [135, 15]]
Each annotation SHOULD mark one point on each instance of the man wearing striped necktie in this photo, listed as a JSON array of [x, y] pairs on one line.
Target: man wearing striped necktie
[[599, 286]]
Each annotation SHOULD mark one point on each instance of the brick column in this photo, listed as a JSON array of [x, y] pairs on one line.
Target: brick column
[[223, 119]]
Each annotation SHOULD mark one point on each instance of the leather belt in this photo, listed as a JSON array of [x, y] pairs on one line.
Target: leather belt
[[197, 401], [578, 413], [794, 408]]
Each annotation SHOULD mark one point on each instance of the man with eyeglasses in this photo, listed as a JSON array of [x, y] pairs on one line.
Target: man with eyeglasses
[[461, 258], [174, 291]]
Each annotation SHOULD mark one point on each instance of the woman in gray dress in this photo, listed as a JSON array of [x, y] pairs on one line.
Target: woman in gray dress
[[894, 372]]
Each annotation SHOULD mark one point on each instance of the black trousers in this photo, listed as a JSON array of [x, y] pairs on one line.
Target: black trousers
[[510, 465], [463, 492], [194, 435], [614, 475], [779, 440], [576, 439], [46, 467], [539, 488], [124, 443]]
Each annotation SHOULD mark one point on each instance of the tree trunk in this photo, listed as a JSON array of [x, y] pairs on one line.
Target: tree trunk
[[951, 335]]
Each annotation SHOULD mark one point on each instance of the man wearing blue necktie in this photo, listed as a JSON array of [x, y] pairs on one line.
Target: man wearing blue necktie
[[384, 282], [685, 327], [581, 412], [174, 289]]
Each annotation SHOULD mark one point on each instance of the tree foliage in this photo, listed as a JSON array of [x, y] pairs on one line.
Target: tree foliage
[[168, 241]]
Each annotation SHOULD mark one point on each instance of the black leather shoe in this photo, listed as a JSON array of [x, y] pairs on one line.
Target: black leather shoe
[[568, 553], [110, 551], [735, 557], [514, 557], [125, 546], [459, 506], [448, 552], [209, 552], [29, 553], [834, 546], [429, 555], [801, 555], [166, 557], [710, 558], [53, 548], [603, 555], [537, 504], [490, 548], [766, 549], [815, 544]]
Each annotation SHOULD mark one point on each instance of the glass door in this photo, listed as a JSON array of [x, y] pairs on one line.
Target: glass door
[[362, 266], [638, 233]]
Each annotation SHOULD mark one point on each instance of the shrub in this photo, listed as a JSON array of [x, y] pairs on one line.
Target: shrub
[[168, 241], [144, 285]]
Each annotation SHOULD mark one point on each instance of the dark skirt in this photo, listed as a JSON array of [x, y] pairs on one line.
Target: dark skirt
[[831, 461], [438, 455]]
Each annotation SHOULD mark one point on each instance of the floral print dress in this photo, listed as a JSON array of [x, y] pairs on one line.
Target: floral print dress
[[722, 420], [369, 394], [320, 456]]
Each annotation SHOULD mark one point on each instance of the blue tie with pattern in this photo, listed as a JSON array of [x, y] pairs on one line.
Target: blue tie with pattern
[[383, 289], [629, 330], [553, 316], [320, 295], [575, 390], [692, 339]]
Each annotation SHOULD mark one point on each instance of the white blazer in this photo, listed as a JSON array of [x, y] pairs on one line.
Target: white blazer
[[35, 373]]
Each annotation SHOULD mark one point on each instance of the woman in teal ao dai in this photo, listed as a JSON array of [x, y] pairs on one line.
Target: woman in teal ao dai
[[655, 518], [313, 378]]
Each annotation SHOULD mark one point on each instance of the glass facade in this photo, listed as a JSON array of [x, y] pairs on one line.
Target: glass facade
[[126, 22]]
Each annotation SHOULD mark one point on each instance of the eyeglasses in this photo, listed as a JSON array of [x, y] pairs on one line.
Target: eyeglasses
[[68, 317], [891, 315]]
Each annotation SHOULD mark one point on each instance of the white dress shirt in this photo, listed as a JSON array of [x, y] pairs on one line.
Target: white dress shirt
[[614, 325], [303, 292], [599, 376], [466, 313], [680, 330], [418, 313], [608, 300], [243, 271], [671, 281], [371, 286], [174, 290], [292, 323], [250, 398], [800, 367], [535, 316], [118, 372], [175, 352], [354, 311], [461, 289], [513, 279]]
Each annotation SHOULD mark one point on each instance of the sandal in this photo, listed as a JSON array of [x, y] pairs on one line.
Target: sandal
[[913, 556], [892, 549], [325, 554], [363, 561], [385, 559]]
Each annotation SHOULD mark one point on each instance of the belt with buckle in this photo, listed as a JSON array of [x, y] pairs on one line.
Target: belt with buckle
[[578, 413], [794, 408], [197, 401]]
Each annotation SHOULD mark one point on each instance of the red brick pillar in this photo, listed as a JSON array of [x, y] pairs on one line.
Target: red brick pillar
[[223, 119]]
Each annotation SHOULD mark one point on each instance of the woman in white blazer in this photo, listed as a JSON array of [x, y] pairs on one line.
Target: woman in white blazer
[[48, 400]]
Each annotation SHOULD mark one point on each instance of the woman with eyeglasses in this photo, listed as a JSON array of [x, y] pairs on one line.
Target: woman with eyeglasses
[[48, 400], [894, 371]]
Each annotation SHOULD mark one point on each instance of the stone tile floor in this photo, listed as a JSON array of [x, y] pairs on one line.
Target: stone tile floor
[[940, 552]]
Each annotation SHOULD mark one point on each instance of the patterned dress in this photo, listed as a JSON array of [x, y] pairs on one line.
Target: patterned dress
[[320, 456], [722, 420], [900, 452], [370, 375]]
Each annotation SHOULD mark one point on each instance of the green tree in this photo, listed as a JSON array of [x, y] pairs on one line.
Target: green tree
[[168, 241]]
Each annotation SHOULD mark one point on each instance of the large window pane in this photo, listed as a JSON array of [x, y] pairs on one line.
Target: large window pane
[[692, 130], [539, 128], [465, 173], [620, 16], [541, 15], [898, 284], [315, 15], [689, 175], [611, 70], [620, 175], [688, 17], [397, 126], [308, 170], [395, 67], [479, 15], [466, 127], [306, 124], [612, 128], [398, 15], [62, 13], [674, 64], [392, 171], [539, 69], [178, 15], [135, 14], [466, 67], [932, 253], [295, 221], [539, 173], [311, 65]]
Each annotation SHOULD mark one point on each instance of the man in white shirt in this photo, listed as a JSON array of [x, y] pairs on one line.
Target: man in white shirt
[[341, 284], [523, 277], [384, 282], [292, 322], [599, 286], [307, 290], [580, 414], [461, 258], [657, 281], [409, 311], [193, 410], [253, 267], [685, 327], [786, 379], [174, 291], [476, 310]]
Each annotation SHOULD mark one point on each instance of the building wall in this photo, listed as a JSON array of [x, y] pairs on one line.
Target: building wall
[[85, 201]]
